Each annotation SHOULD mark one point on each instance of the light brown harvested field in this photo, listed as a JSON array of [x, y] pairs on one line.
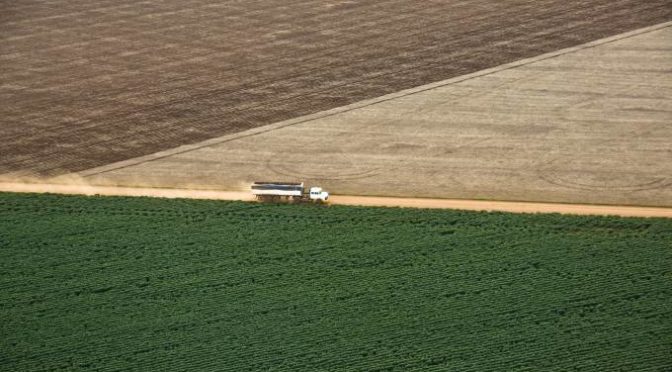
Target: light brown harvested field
[[84, 84], [588, 126]]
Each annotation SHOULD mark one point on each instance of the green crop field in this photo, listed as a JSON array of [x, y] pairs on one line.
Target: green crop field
[[108, 284]]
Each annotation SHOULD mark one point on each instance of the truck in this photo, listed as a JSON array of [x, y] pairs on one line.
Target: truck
[[288, 192]]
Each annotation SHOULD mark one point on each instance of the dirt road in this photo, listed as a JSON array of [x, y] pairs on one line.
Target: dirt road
[[475, 205], [504, 206], [82, 189]]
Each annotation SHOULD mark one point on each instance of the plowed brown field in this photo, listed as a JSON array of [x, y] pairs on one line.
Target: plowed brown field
[[88, 84]]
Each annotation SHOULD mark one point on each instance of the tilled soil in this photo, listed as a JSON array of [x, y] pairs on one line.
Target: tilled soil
[[88, 84]]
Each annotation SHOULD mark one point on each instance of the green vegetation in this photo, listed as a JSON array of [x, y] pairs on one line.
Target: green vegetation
[[152, 284]]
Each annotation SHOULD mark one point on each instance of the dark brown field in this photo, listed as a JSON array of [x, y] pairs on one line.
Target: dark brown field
[[91, 83]]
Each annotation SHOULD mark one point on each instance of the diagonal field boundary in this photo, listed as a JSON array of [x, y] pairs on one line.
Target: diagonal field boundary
[[361, 104]]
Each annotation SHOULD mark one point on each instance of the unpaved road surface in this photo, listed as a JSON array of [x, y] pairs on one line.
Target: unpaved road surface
[[371, 201], [83, 84], [504, 206], [83, 189]]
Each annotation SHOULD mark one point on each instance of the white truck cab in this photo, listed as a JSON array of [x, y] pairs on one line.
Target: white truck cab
[[316, 193]]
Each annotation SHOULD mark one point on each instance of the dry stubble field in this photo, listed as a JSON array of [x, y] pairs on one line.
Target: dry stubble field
[[88, 84]]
